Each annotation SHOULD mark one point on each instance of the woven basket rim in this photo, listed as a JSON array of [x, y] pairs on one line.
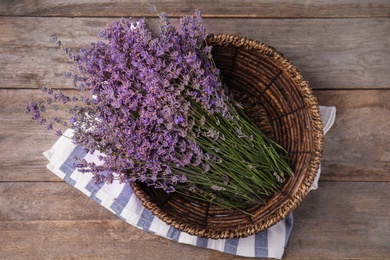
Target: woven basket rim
[[291, 202]]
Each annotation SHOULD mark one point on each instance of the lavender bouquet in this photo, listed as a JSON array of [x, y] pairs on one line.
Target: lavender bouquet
[[157, 110]]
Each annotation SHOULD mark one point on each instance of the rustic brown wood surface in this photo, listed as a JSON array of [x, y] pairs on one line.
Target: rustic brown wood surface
[[325, 50], [228, 8], [340, 46]]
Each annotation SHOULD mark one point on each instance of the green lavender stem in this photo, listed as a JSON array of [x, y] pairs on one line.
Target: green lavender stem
[[246, 167]]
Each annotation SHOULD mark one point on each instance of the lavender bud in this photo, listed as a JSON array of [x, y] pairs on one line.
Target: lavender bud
[[53, 39], [217, 188]]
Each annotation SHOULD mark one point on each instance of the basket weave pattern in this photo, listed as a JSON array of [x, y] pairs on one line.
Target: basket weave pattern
[[281, 103]]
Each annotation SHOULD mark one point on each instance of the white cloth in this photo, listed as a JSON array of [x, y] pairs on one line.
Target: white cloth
[[120, 200]]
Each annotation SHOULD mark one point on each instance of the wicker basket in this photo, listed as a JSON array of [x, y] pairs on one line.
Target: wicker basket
[[281, 103]]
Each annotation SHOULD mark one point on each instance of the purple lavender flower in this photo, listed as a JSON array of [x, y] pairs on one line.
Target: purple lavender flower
[[156, 108]]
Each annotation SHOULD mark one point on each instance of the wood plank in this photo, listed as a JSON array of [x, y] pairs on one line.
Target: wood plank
[[87, 240], [342, 221], [56, 201], [24, 140], [356, 148], [337, 221], [229, 8], [331, 53], [358, 145]]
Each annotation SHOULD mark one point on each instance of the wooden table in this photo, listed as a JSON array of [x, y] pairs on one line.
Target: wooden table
[[342, 47]]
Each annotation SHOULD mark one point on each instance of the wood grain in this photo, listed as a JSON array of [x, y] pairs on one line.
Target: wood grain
[[356, 148], [96, 239], [337, 221], [342, 221], [30, 201], [358, 145], [23, 140], [229, 8], [331, 53]]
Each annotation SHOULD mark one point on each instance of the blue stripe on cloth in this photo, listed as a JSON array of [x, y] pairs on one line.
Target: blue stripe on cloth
[[289, 221], [94, 188], [122, 200], [68, 168], [231, 246], [201, 242], [261, 244], [145, 220], [173, 234]]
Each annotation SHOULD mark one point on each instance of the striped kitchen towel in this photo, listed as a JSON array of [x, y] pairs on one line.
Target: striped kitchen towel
[[120, 200]]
